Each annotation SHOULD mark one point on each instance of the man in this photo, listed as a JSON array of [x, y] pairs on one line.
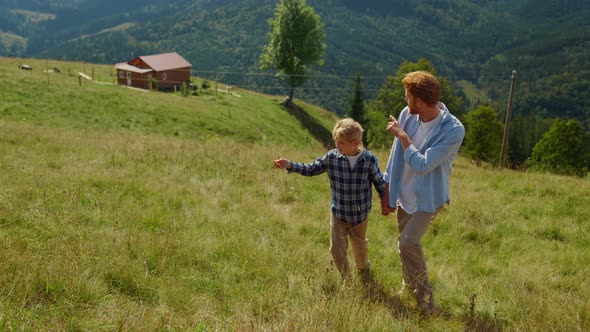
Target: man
[[427, 139]]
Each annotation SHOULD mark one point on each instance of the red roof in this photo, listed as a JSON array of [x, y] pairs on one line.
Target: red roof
[[127, 67], [164, 61]]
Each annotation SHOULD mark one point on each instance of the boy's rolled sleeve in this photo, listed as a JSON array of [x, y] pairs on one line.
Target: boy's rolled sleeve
[[316, 168]]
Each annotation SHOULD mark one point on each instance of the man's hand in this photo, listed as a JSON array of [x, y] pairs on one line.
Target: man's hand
[[385, 209], [394, 128]]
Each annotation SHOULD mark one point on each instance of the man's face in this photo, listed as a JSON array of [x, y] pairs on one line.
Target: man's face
[[412, 102]]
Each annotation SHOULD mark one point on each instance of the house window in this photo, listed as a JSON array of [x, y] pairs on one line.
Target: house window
[[121, 74], [163, 76]]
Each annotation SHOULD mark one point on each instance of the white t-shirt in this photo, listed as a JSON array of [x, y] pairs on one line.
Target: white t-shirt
[[407, 196], [352, 160]]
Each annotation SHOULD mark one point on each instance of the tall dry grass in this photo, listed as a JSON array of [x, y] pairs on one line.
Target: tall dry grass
[[106, 227]]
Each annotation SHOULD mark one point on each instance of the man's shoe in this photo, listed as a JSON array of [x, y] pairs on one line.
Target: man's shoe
[[431, 311], [427, 307], [365, 275], [406, 289]]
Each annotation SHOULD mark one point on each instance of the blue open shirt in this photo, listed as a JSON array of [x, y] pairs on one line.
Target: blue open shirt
[[432, 163]]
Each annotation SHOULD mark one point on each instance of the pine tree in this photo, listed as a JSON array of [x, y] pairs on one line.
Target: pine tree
[[356, 107]]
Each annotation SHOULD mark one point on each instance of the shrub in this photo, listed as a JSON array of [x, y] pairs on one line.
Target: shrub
[[563, 149]]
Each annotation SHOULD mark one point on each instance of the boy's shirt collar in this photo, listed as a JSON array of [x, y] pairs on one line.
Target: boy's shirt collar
[[341, 155]]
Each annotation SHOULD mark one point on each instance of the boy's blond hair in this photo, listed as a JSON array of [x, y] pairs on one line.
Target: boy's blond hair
[[348, 129]]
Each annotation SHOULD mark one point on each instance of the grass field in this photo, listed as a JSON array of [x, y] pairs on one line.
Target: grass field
[[125, 210]]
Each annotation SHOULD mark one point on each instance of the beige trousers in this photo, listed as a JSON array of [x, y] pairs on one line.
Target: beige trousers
[[412, 228], [340, 233]]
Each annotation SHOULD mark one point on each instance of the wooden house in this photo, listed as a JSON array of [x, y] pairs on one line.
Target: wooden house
[[164, 71]]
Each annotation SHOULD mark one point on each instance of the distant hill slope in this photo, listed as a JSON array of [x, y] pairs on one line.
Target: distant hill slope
[[478, 41], [65, 100]]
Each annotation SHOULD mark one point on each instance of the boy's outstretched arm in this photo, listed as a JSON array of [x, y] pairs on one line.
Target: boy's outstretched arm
[[282, 163], [311, 169]]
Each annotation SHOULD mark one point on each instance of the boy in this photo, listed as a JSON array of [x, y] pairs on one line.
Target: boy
[[351, 169]]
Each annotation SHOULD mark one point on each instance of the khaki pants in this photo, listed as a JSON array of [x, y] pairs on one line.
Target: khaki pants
[[339, 235], [412, 228]]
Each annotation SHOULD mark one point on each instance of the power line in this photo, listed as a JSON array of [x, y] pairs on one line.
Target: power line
[[275, 75], [220, 72], [371, 83], [321, 75]]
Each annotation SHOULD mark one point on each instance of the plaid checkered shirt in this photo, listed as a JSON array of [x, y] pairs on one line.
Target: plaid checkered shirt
[[351, 188]]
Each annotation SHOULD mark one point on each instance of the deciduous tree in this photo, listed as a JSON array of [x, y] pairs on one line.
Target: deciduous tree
[[564, 149], [483, 135], [296, 42]]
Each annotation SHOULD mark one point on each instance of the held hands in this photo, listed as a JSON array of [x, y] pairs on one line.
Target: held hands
[[385, 209], [282, 163]]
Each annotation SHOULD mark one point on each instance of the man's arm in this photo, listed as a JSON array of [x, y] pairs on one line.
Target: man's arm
[[436, 154]]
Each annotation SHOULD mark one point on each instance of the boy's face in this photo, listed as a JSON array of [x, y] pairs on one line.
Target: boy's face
[[348, 147]]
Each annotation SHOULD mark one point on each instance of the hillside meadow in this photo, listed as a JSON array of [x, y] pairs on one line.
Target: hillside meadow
[[128, 210]]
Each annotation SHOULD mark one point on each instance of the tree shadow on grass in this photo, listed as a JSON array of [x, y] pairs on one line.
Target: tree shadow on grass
[[315, 128]]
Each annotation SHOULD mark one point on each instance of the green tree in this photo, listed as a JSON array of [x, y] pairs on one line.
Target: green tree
[[296, 41], [391, 99], [525, 132], [356, 107], [483, 135], [564, 149]]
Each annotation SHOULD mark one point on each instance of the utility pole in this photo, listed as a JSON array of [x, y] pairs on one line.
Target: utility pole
[[47, 70], [507, 122]]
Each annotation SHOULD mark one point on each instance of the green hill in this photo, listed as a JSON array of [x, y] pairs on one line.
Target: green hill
[[64, 100], [477, 41], [129, 210]]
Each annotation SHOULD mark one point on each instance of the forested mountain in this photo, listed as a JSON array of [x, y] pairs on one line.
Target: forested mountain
[[474, 44]]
